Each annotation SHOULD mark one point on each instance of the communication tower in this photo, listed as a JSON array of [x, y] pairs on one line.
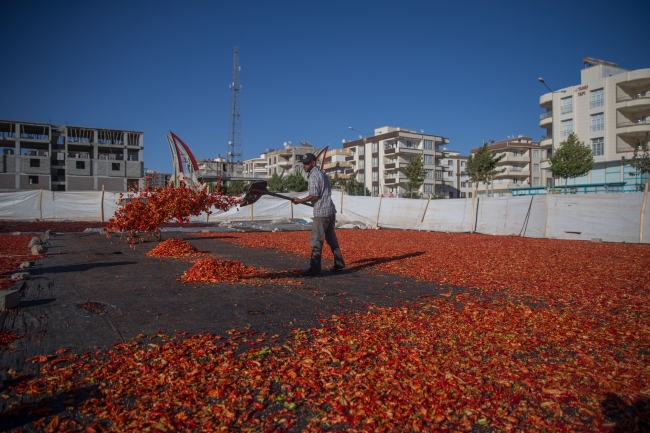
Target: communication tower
[[234, 155]]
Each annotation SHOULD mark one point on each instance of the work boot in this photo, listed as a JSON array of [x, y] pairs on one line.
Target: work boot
[[336, 268], [309, 272]]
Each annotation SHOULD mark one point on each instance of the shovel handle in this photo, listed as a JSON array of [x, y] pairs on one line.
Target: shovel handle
[[285, 197]]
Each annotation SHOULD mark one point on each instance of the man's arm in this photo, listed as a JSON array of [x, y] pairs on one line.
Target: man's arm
[[307, 199]]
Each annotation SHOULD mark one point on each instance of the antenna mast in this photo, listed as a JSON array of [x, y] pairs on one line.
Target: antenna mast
[[234, 138]]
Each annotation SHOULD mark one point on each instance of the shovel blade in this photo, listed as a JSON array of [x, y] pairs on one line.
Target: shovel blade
[[254, 191]]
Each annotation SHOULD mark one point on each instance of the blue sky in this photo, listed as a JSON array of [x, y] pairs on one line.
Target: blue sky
[[466, 70]]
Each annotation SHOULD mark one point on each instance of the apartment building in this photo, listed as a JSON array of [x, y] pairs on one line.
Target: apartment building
[[256, 167], [69, 158], [336, 162], [286, 159], [609, 110], [456, 182], [521, 165], [154, 178], [380, 160]]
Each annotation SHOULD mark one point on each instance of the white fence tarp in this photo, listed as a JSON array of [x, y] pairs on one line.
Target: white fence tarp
[[19, 205], [613, 217]]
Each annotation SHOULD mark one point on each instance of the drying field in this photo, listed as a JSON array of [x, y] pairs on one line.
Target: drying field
[[479, 333]]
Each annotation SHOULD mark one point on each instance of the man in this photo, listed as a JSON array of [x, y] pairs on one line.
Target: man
[[320, 195]]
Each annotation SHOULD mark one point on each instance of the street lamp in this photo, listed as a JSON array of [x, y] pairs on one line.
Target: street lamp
[[352, 129], [364, 158], [541, 80]]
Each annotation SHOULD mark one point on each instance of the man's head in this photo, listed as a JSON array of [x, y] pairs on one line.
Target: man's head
[[308, 162]]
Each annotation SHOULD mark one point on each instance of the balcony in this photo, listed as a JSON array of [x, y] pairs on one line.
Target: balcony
[[546, 100], [441, 154], [395, 180], [627, 127], [402, 149], [546, 119], [511, 158], [284, 162], [513, 172], [546, 141], [349, 158]]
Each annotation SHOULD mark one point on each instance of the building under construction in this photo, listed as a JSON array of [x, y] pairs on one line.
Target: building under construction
[[69, 158]]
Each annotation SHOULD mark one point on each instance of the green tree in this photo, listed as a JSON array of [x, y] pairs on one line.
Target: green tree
[[415, 173], [295, 182], [572, 159], [277, 183], [336, 181], [236, 187], [483, 165], [352, 186], [640, 161]]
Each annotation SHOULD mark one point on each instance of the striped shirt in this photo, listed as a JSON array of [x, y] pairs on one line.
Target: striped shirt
[[319, 186]]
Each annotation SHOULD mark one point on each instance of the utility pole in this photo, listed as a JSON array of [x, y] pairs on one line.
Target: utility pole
[[234, 155]]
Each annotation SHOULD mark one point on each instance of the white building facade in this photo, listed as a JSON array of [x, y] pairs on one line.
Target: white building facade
[[380, 160], [608, 110]]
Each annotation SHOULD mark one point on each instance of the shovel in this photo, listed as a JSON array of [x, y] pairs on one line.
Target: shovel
[[257, 189]]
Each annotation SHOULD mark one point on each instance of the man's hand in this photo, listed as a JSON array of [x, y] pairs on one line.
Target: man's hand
[[309, 198]]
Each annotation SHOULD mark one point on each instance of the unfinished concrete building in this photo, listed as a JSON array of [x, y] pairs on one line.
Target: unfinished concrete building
[[69, 158]]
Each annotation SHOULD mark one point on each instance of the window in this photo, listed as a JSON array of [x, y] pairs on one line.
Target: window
[[428, 144], [462, 163], [567, 105], [450, 163], [375, 176], [375, 162], [428, 174], [597, 122], [33, 180], [640, 119], [361, 179], [450, 174], [515, 153], [81, 165], [362, 164], [549, 182], [275, 160], [536, 167], [536, 181], [375, 190], [115, 166], [535, 154], [408, 158], [597, 98], [428, 188], [362, 150], [375, 147], [598, 146], [409, 143], [567, 127], [269, 161], [438, 174], [463, 195], [428, 159], [35, 163]]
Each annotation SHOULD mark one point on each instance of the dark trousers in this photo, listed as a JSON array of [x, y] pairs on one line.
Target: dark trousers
[[323, 230]]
